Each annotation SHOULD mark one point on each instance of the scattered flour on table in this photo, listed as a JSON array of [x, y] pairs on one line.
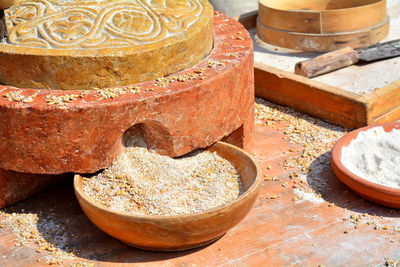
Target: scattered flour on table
[[307, 196], [375, 156]]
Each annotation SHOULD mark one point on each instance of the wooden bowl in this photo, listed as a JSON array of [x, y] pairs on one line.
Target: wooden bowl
[[178, 232], [384, 195], [322, 25]]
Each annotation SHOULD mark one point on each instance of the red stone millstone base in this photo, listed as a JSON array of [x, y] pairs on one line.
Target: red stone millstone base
[[86, 134], [15, 187]]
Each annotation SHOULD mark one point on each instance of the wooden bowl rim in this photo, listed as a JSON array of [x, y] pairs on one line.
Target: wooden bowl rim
[[250, 191], [265, 5], [337, 153]]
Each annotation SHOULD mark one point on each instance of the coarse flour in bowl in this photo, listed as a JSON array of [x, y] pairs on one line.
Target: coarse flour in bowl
[[375, 156]]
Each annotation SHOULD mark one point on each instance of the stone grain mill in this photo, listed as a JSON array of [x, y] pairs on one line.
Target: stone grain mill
[[82, 79]]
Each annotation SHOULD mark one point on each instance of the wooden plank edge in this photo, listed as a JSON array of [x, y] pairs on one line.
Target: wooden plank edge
[[310, 109], [391, 116], [326, 102], [383, 101], [307, 81]]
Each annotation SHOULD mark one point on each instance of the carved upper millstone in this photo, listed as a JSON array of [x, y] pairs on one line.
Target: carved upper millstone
[[83, 44]]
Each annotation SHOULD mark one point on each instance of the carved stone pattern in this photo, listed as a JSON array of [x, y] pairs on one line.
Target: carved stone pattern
[[98, 24]]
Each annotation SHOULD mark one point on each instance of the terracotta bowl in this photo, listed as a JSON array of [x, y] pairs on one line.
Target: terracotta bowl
[[178, 232], [384, 195]]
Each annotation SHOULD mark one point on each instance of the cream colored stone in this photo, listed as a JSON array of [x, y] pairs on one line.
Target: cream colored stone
[[63, 44]]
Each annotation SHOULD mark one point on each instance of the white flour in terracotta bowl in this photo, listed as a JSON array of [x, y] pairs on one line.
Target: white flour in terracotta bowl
[[375, 156]]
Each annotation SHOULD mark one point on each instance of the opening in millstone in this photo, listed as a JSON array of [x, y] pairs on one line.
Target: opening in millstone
[[134, 137]]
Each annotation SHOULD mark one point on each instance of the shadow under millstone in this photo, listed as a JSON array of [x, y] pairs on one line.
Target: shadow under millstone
[[51, 226], [322, 180]]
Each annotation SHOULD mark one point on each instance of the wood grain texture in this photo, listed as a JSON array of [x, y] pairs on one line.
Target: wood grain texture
[[383, 101], [327, 102], [353, 19], [391, 116], [288, 89], [320, 5], [327, 62], [323, 42], [324, 16], [279, 232], [322, 25], [291, 21]]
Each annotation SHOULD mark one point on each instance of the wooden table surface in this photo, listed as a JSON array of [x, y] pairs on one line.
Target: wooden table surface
[[277, 232]]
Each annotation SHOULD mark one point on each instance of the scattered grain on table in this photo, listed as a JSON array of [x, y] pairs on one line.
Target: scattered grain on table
[[317, 138], [43, 232]]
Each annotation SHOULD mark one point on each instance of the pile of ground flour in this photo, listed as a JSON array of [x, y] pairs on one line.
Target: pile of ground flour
[[375, 156], [145, 183]]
